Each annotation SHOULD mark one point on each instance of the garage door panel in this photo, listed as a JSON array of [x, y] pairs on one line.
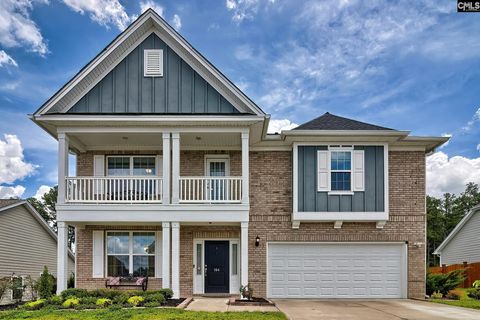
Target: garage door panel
[[335, 270]]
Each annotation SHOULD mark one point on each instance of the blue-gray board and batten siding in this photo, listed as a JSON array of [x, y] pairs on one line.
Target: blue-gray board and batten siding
[[181, 90], [370, 200]]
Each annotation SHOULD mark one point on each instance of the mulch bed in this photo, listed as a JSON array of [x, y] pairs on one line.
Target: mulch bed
[[254, 302], [173, 302]]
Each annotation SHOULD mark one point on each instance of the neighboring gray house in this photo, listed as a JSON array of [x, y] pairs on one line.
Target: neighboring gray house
[[463, 243], [27, 243]]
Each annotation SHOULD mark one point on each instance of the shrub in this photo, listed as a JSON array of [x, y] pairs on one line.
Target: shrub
[[103, 302], [152, 304], [453, 295], [443, 283], [135, 301], [55, 300], [476, 284], [71, 281], [167, 293], [45, 284], [121, 299], [74, 292], [437, 295], [474, 293], [155, 297], [35, 305], [88, 300], [71, 302], [106, 293]]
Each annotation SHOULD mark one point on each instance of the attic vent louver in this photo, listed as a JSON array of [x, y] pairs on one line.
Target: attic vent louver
[[153, 63]]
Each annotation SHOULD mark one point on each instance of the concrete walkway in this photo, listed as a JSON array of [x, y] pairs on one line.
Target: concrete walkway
[[372, 310], [221, 305]]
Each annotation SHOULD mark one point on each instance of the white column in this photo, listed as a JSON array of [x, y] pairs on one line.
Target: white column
[[244, 255], [175, 166], [62, 256], [166, 255], [245, 168], [62, 166], [176, 259], [166, 168]]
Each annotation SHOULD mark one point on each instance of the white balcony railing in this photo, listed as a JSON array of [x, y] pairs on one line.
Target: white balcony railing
[[210, 190], [138, 189]]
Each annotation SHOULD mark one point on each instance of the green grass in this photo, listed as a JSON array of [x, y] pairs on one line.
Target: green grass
[[138, 314], [465, 301]]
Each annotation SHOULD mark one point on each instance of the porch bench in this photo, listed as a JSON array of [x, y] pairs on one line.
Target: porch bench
[[114, 282]]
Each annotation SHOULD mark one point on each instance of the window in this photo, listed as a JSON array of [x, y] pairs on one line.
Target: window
[[199, 259], [234, 259], [130, 253], [131, 166], [340, 170]]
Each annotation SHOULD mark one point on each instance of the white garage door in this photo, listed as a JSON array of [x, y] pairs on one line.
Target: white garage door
[[341, 270]]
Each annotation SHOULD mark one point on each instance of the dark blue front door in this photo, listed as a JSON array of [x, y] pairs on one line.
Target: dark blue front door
[[216, 267]]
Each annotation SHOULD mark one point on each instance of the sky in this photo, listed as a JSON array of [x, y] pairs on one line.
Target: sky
[[407, 65]]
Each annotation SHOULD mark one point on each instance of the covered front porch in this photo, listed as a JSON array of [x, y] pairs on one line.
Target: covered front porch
[[190, 258]]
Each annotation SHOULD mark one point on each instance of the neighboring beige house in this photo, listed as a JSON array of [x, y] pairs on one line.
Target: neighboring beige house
[[27, 243], [178, 179], [463, 243]]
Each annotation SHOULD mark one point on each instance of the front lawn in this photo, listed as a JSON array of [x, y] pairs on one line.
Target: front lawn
[[465, 301], [137, 314]]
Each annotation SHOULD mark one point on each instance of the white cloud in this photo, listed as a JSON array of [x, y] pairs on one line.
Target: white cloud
[[447, 135], [470, 124], [177, 22], [17, 29], [281, 124], [41, 191], [5, 59], [104, 12], [12, 162], [245, 9], [11, 192], [145, 5], [244, 52], [446, 174]]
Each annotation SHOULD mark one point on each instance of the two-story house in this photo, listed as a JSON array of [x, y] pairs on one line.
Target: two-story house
[[178, 179]]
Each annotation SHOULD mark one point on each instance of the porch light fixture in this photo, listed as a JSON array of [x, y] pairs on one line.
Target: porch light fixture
[[257, 241]]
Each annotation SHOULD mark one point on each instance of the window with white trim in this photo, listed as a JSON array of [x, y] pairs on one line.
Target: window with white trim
[[340, 170], [131, 166], [130, 252]]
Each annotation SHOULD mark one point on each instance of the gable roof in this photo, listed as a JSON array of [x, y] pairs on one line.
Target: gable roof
[[146, 24], [457, 229], [329, 121], [6, 204]]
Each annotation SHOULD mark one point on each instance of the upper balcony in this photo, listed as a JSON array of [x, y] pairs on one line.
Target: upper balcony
[[193, 168]]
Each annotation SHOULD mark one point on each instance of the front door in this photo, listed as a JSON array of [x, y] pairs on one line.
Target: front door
[[216, 267]]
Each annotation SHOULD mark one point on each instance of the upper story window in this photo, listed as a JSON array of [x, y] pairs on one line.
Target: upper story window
[[131, 166], [340, 170]]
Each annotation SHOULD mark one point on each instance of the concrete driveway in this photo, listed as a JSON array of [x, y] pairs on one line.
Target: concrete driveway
[[372, 310]]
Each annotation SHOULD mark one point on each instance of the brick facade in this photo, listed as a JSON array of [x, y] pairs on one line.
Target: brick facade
[[271, 208], [270, 217]]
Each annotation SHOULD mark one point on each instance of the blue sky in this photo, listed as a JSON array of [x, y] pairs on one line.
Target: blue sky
[[410, 65]]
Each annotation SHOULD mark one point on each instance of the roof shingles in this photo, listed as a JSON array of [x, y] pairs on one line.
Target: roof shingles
[[329, 121]]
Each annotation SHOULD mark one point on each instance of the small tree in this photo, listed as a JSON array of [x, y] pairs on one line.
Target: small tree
[[45, 284]]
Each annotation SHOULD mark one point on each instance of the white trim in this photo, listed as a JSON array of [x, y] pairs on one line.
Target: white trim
[[175, 167], [180, 46], [98, 254], [131, 157], [404, 276], [200, 279], [244, 253], [245, 168], [63, 148], [166, 255], [175, 252], [216, 158], [130, 253], [62, 256], [330, 216], [295, 181], [166, 163]]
